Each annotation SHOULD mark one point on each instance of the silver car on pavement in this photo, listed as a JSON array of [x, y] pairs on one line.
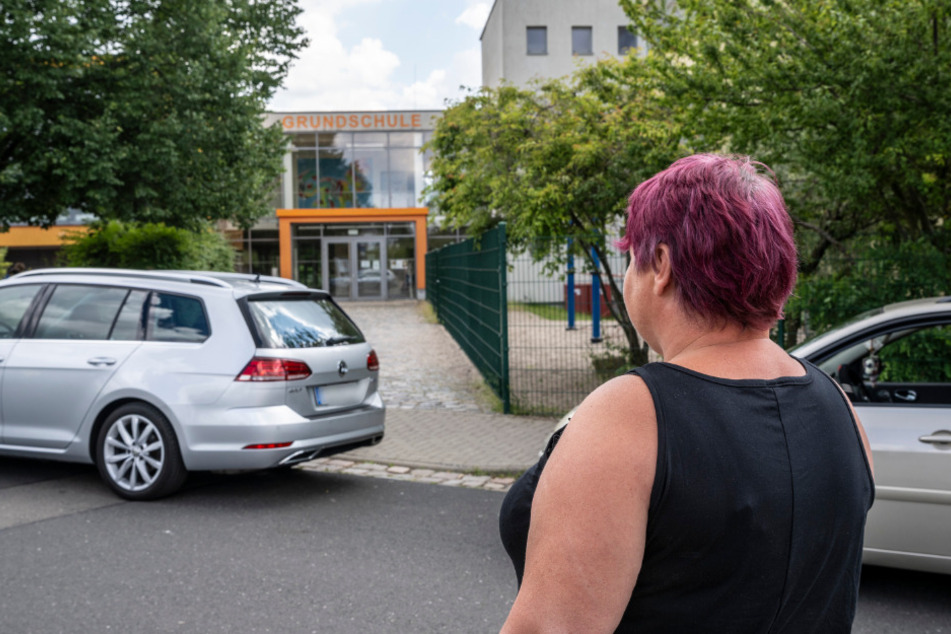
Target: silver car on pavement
[[151, 374]]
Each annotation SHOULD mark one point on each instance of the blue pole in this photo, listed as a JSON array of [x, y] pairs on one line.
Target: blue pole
[[570, 290], [595, 299]]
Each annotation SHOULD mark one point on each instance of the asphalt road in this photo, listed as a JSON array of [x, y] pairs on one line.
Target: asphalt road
[[293, 552], [263, 552]]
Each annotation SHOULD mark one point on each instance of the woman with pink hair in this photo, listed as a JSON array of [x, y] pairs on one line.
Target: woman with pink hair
[[723, 489]]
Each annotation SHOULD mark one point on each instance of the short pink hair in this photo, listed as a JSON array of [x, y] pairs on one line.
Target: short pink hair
[[733, 257]]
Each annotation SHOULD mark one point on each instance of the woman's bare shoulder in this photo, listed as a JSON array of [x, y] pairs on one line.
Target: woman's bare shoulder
[[622, 405], [614, 425]]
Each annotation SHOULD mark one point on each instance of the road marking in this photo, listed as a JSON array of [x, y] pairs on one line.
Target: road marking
[[28, 503]]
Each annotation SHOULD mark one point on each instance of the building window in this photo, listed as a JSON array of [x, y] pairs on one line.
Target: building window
[[537, 39], [625, 40], [344, 170], [582, 41]]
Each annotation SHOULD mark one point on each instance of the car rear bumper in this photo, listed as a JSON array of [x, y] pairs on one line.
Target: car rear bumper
[[222, 444]]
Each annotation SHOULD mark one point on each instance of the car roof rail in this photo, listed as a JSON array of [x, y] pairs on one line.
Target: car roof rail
[[168, 276], [251, 278]]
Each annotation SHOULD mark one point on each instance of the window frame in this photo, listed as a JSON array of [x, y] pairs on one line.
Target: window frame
[[147, 328], [528, 40], [26, 323], [589, 31], [621, 31], [39, 309]]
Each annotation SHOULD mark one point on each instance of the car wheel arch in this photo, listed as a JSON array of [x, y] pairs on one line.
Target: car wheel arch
[[112, 406]]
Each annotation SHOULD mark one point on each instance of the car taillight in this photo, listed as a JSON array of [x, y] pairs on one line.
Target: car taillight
[[373, 362], [264, 369]]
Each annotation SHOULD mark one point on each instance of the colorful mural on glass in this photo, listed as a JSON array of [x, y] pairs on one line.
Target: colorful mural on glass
[[332, 189]]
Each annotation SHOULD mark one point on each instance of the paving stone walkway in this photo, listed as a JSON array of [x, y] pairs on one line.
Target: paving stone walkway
[[440, 427]]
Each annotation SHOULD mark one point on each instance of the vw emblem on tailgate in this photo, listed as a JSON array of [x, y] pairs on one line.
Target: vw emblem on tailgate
[[342, 367]]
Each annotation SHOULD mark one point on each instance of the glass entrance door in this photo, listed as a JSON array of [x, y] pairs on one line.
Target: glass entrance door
[[356, 268], [339, 268], [370, 273]]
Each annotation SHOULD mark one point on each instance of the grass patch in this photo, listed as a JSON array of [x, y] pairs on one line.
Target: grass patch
[[552, 312], [486, 397], [427, 312]]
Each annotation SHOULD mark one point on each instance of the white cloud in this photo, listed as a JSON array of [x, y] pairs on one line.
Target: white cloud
[[475, 15], [329, 75], [373, 63]]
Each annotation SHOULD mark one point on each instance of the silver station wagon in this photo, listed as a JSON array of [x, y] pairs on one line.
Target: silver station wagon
[[152, 374]]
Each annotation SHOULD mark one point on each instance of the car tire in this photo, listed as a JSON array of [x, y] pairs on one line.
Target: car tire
[[137, 453]]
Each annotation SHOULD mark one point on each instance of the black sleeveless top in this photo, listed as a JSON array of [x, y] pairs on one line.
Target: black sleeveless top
[[757, 511]]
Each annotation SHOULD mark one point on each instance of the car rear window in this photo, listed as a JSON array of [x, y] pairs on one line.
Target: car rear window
[[305, 322]]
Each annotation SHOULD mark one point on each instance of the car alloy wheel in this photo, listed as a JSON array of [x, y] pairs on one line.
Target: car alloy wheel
[[138, 453]]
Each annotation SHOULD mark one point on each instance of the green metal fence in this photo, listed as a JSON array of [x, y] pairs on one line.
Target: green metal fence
[[528, 329], [562, 345], [466, 284], [541, 342]]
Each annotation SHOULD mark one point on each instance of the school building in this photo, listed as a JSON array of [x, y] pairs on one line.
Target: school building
[[349, 212]]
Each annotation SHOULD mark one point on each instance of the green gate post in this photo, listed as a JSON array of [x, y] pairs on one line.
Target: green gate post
[[504, 322]]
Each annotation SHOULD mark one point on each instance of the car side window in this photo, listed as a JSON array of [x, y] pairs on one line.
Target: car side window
[[923, 356], [14, 302], [75, 311], [177, 318], [911, 366], [129, 322]]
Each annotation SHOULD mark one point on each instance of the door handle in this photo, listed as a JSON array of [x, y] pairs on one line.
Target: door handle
[[940, 437], [101, 361], [909, 396]]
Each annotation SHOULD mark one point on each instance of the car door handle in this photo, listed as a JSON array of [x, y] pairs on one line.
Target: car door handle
[[941, 437], [908, 396], [100, 361]]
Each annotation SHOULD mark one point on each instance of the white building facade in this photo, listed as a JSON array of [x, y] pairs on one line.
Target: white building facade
[[525, 40]]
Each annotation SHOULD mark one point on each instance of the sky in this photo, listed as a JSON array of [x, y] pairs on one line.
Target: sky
[[384, 55]]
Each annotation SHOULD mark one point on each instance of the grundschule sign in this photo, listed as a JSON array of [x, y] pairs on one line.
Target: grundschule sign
[[354, 121]]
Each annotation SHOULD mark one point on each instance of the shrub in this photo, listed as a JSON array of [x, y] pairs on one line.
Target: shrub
[[115, 244]]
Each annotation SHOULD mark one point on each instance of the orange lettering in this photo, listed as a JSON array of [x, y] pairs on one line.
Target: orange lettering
[[417, 120], [287, 122], [379, 121], [341, 121], [314, 122], [365, 121], [301, 121], [328, 121], [392, 120], [354, 121]]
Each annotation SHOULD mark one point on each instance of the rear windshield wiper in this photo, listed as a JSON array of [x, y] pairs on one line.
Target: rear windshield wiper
[[336, 341]]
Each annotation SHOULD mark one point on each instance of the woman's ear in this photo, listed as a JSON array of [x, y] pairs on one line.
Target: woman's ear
[[663, 276]]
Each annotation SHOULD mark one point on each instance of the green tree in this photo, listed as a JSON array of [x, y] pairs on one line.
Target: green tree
[[559, 160], [145, 110], [114, 244], [846, 99]]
